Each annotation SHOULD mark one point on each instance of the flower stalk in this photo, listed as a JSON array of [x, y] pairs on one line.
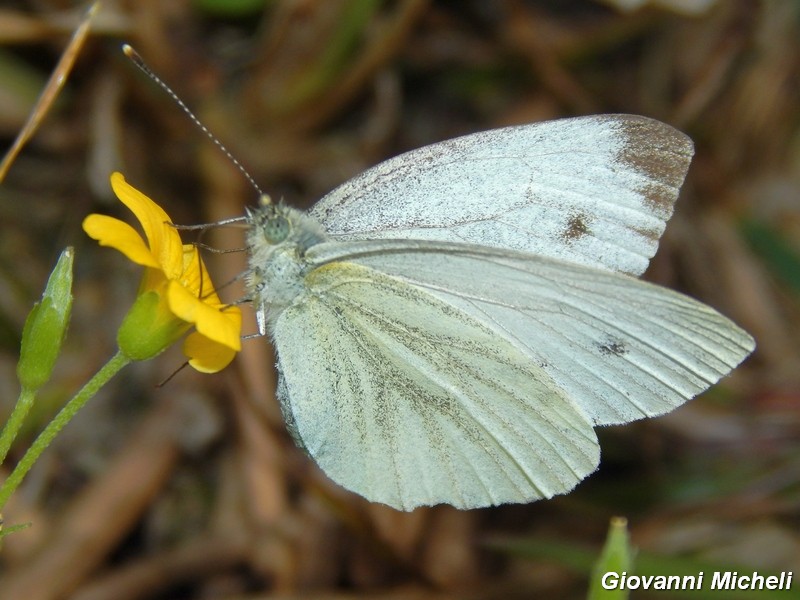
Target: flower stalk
[[111, 368]]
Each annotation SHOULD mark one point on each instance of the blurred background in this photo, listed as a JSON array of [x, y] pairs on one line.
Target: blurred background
[[194, 490]]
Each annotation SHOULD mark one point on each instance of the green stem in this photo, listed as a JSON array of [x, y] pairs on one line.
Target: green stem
[[14, 423], [111, 368]]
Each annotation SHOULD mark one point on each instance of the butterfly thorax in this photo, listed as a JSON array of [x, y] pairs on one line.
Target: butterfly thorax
[[278, 238]]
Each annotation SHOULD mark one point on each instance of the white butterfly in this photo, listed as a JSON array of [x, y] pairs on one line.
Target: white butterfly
[[451, 324]]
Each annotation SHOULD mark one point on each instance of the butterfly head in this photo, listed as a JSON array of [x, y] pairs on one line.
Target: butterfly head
[[275, 228], [273, 225]]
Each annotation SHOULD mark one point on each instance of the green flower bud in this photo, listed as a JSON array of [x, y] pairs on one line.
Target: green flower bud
[[46, 326]]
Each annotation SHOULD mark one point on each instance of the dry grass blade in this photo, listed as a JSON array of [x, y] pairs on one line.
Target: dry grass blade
[[51, 90]]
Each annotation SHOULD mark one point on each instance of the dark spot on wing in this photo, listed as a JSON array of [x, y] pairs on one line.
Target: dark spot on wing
[[613, 348], [577, 227]]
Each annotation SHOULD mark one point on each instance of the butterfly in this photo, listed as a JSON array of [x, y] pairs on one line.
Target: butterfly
[[452, 324]]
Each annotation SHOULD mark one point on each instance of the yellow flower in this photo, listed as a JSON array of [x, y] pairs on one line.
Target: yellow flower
[[176, 291]]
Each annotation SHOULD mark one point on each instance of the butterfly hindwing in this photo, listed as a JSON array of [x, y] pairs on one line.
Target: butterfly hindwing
[[409, 401]]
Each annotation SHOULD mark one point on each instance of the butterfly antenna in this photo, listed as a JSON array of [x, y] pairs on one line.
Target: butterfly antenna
[[137, 60]]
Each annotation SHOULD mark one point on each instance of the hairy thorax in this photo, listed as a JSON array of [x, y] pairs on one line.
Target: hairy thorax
[[278, 238]]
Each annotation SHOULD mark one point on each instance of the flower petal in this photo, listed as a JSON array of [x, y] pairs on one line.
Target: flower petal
[[195, 277], [164, 241], [218, 322], [206, 355], [120, 236]]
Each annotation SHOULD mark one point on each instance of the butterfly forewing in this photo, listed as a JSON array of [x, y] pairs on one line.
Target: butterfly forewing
[[621, 348], [592, 190]]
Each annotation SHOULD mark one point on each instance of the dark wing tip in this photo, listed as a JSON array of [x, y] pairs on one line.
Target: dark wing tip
[[660, 153]]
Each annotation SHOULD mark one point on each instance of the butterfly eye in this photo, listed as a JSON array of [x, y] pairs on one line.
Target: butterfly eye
[[276, 229]]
